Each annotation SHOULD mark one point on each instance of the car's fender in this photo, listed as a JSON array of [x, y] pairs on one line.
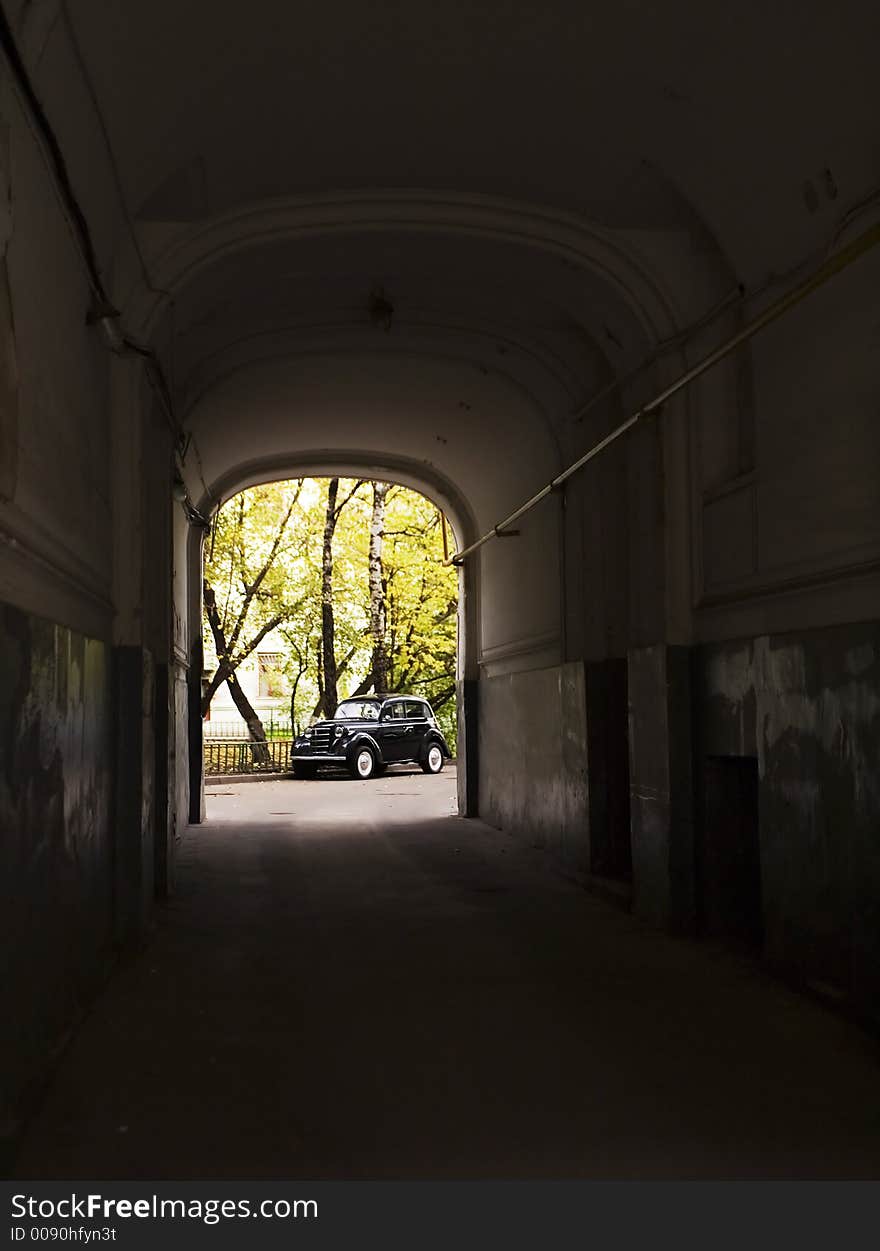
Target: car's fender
[[360, 739], [434, 736]]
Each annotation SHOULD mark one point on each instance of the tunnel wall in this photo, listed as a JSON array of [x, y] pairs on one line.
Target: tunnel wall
[[661, 786], [806, 706], [178, 738], [84, 572], [57, 831], [533, 753], [56, 854]]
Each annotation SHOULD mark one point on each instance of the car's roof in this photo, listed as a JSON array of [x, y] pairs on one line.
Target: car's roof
[[420, 698], [379, 699]]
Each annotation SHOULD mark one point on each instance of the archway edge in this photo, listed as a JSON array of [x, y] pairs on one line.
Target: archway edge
[[604, 252], [344, 463], [347, 463]]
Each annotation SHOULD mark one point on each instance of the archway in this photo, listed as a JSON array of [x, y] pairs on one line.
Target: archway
[[433, 487], [286, 613], [506, 323]]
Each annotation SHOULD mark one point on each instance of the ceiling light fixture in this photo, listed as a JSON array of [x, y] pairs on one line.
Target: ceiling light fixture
[[381, 309]]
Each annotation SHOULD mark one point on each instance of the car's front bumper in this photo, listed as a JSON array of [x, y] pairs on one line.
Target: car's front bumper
[[308, 755]]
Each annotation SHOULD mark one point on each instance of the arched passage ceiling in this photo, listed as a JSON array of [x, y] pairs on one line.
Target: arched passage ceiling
[[543, 192], [507, 308], [210, 106]]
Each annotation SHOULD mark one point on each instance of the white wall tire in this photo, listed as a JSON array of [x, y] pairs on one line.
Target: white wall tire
[[433, 761], [363, 765]]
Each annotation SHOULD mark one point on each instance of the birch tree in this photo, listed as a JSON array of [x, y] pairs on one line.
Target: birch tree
[[329, 698], [379, 675]]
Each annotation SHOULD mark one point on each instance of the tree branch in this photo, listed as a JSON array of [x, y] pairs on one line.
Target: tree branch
[[253, 588], [339, 507]]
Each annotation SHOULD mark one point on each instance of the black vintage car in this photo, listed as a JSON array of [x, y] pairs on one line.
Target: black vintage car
[[368, 734]]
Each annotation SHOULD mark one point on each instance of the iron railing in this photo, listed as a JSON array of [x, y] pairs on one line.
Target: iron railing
[[234, 756], [275, 727]]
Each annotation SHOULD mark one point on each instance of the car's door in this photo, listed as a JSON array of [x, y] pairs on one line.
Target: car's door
[[391, 731], [417, 728]]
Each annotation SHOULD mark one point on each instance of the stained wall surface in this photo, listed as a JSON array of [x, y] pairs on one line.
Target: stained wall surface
[[806, 706], [533, 761], [56, 854]]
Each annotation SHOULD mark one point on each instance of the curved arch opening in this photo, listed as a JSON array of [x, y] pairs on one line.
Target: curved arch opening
[[264, 658]]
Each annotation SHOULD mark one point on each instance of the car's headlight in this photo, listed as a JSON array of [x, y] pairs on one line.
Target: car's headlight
[[339, 733]]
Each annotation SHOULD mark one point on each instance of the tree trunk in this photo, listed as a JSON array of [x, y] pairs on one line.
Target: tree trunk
[[252, 721], [301, 666], [225, 663], [230, 649], [378, 613], [328, 630]]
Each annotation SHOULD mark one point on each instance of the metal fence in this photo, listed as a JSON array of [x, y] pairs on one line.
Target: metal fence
[[276, 726], [235, 756]]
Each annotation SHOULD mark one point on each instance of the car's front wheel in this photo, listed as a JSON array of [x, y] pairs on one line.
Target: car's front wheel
[[363, 764], [432, 762]]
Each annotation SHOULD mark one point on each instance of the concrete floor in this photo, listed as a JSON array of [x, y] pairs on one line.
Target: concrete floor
[[351, 982]]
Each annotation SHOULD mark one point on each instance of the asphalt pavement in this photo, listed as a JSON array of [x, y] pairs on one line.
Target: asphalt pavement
[[352, 982]]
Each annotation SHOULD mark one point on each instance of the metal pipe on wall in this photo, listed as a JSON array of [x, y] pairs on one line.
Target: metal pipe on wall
[[846, 256]]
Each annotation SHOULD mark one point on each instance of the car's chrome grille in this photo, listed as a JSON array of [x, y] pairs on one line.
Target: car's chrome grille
[[320, 738]]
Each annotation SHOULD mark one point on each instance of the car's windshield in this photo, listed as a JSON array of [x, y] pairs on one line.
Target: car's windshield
[[357, 710]]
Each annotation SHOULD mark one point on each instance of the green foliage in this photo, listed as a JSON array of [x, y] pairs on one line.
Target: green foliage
[[263, 562], [422, 602]]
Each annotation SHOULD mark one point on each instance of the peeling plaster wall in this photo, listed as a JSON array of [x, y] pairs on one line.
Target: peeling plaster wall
[[807, 706], [58, 835], [533, 752], [56, 864], [661, 788]]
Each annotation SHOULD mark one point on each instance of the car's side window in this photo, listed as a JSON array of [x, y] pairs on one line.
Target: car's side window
[[395, 711], [415, 710]]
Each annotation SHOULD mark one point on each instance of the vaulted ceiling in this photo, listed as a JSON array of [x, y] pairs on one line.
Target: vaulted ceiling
[[615, 111], [544, 191]]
